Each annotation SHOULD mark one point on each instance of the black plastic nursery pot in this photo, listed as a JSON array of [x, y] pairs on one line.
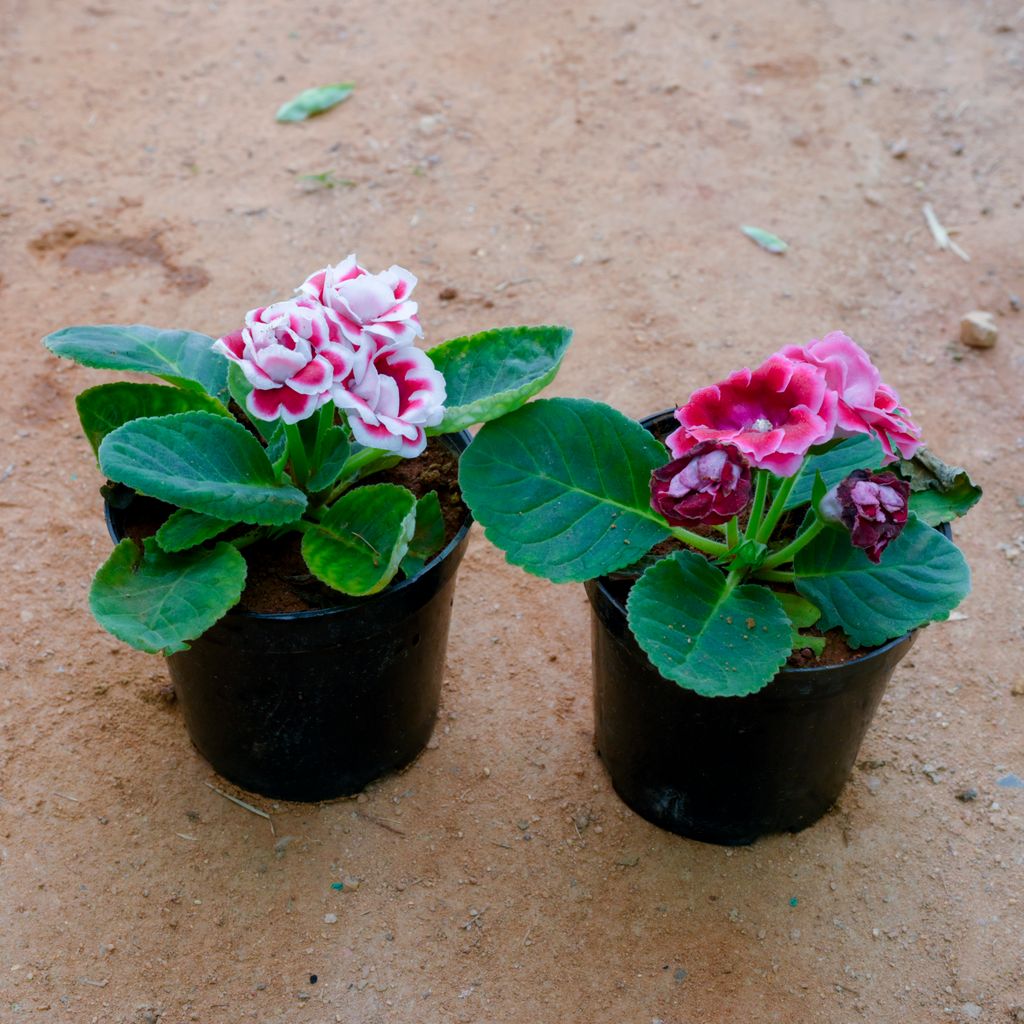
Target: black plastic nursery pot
[[315, 704], [727, 769]]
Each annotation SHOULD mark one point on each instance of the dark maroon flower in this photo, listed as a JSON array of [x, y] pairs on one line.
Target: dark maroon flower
[[708, 484], [872, 506]]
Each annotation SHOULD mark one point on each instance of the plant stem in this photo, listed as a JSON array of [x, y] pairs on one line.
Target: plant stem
[[775, 576], [695, 540], [359, 464], [787, 553], [732, 533], [324, 424], [777, 507], [297, 454], [757, 509]]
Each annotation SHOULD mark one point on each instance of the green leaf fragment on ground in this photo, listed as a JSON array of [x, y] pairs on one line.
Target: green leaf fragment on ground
[[765, 239], [314, 101]]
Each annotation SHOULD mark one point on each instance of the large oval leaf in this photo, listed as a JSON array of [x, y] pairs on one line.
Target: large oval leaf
[[106, 407], [488, 375], [703, 636], [158, 602], [358, 546], [922, 578], [202, 462], [563, 487], [181, 357]]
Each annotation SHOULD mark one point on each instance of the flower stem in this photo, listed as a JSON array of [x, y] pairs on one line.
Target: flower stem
[[777, 507], [775, 576], [732, 533], [359, 464], [788, 553], [297, 454], [695, 540], [757, 509]]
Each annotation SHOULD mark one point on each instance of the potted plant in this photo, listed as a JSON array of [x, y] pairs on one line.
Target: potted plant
[[287, 518], [755, 575]]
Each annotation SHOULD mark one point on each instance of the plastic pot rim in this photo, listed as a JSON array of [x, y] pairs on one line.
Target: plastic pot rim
[[457, 442]]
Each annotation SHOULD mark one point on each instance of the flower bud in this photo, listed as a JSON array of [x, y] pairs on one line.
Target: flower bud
[[872, 506], [708, 484]]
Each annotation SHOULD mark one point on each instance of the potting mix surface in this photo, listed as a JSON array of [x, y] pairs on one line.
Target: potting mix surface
[[588, 164]]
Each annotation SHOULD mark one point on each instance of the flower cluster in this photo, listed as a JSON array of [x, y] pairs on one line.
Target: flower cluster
[[349, 337], [770, 418]]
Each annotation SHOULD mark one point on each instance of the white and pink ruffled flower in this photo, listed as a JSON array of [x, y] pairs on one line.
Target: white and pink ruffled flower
[[372, 311], [400, 394], [865, 404], [292, 354]]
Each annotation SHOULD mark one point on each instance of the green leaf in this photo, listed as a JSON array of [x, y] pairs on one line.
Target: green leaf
[[488, 375], [765, 239], [106, 407], [939, 493], [334, 452], [180, 357], [202, 462], [184, 529], [158, 602], [860, 452], [314, 101], [428, 537], [802, 615], [357, 547], [702, 635], [922, 578], [563, 487]]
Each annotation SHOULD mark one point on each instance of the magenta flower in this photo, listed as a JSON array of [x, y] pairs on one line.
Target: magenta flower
[[372, 311], [773, 414], [292, 355], [865, 404], [872, 506], [709, 484], [399, 395]]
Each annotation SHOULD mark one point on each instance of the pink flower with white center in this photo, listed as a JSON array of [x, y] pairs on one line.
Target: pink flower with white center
[[292, 355], [773, 414], [399, 395], [865, 404], [373, 311]]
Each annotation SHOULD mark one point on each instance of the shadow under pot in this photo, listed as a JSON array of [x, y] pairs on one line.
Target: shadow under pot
[[315, 704], [727, 769]]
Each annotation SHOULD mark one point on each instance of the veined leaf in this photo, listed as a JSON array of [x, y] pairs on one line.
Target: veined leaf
[[180, 357], [939, 493], [314, 101], [705, 637], [106, 407], [802, 615], [562, 485], [333, 453], [488, 375], [158, 602], [860, 452], [358, 545], [184, 529], [199, 461], [428, 537], [922, 578]]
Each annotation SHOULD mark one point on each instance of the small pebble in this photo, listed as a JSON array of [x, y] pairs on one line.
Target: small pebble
[[972, 1010], [965, 796], [330, 918], [978, 329], [899, 149]]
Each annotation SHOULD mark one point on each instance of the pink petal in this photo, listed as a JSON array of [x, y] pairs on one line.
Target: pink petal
[[282, 402]]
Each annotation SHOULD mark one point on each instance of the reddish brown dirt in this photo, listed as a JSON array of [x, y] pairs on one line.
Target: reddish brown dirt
[[587, 164]]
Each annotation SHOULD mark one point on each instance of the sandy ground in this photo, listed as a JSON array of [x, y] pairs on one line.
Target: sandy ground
[[586, 164]]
